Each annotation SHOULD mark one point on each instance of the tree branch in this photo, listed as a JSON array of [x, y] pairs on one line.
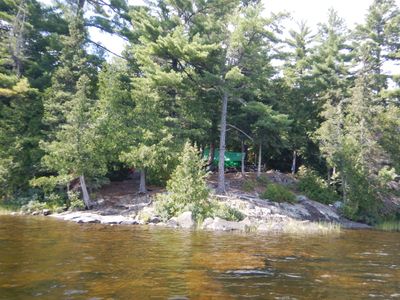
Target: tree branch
[[106, 49], [241, 131]]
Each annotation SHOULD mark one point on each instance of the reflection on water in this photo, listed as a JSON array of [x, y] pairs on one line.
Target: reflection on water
[[50, 259]]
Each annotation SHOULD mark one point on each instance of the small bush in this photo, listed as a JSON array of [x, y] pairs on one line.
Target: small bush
[[278, 193], [187, 188], [263, 179], [315, 188], [201, 210], [188, 191], [228, 213], [249, 185], [34, 206], [386, 174], [75, 203]]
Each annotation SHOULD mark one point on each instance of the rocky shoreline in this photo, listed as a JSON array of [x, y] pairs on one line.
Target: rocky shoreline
[[304, 216]]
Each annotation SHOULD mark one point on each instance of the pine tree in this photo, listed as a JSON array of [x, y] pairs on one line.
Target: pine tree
[[74, 151], [299, 98], [377, 41], [150, 145], [113, 115], [268, 128], [72, 65], [20, 125], [187, 186]]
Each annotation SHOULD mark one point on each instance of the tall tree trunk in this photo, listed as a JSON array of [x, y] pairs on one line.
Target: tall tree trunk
[[85, 194], [211, 155], [259, 161], [142, 185], [294, 162], [329, 176], [242, 162], [221, 163], [344, 183], [17, 39]]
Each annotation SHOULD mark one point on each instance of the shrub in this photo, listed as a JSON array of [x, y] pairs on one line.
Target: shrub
[[34, 206], [228, 213], [187, 191], [167, 209], [187, 188], [386, 174], [362, 196], [75, 203], [315, 188], [263, 179], [249, 185], [278, 193]]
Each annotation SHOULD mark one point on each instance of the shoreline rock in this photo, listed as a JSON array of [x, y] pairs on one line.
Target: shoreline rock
[[305, 216]]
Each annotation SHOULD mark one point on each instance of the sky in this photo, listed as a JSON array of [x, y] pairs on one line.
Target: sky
[[311, 11], [315, 11]]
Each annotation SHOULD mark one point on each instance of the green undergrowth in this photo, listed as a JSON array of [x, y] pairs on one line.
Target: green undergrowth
[[208, 208], [53, 202], [310, 228], [389, 226], [249, 185], [278, 193], [187, 191], [315, 188]]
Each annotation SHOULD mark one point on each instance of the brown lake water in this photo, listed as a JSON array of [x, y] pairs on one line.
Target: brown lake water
[[42, 258]]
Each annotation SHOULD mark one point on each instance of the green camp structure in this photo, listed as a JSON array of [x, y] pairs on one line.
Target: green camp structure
[[232, 159]]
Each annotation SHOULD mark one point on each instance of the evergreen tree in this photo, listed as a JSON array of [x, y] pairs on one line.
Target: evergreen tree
[[113, 115], [187, 186], [299, 94], [73, 64], [150, 145], [74, 151], [27, 33], [268, 128], [378, 42], [20, 125]]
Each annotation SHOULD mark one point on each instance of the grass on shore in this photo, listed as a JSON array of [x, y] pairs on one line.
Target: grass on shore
[[311, 228], [304, 228], [389, 226], [4, 210]]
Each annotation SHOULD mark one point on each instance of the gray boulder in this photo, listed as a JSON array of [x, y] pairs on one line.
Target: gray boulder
[[129, 222], [87, 219], [223, 225], [301, 198], [207, 222], [112, 219], [155, 219], [173, 223], [185, 220], [46, 212]]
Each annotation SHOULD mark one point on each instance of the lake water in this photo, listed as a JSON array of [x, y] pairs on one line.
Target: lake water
[[42, 258]]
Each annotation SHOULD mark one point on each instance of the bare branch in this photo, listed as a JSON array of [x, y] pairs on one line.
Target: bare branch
[[106, 49]]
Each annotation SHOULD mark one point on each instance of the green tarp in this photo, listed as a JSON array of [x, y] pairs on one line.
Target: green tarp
[[232, 159]]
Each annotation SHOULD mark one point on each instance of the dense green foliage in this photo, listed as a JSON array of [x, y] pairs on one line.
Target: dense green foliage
[[315, 187], [187, 191], [212, 72], [187, 188], [278, 193]]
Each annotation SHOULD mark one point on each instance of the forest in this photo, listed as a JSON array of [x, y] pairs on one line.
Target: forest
[[221, 74]]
